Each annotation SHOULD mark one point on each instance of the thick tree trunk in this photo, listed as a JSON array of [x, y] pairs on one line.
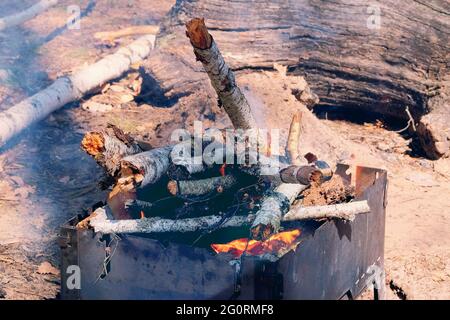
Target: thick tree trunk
[[71, 88], [347, 59], [28, 14]]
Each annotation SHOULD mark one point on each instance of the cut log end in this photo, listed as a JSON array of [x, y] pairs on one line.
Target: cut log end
[[197, 32], [172, 187], [93, 143]]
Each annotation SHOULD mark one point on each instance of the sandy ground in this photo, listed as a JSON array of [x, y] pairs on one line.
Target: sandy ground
[[45, 178]]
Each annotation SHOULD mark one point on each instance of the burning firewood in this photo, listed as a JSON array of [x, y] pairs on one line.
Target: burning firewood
[[202, 186], [111, 36], [273, 207], [71, 88], [109, 147], [145, 168], [273, 248], [100, 222], [28, 14], [221, 76]]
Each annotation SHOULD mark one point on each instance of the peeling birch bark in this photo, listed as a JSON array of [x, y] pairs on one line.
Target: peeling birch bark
[[273, 208], [100, 223], [71, 88], [202, 186], [293, 142], [345, 211], [147, 167], [221, 76], [27, 14]]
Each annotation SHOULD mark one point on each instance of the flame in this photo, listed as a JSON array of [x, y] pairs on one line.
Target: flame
[[274, 245]]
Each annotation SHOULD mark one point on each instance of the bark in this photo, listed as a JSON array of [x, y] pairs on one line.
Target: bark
[[100, 223], [109, 147], [201, 187], [110, 36], [405, 62], [145, 168], [71, 88], [292, 146], [273, 208], [221, 76], [28, 14], [344, 211]]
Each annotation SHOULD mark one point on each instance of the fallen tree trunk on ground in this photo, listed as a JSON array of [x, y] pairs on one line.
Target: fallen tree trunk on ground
[[28, 14], [100, 222], [348, 59], [71, 88]]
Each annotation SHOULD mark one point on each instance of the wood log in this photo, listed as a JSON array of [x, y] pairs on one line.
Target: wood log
[[293, 142], [145, 168], [28, 14], [344, 211], [273, 207], [348, 61], [201, 187], [71, 88], [100, 222], [111, 36], [109, 147], [221, 76]]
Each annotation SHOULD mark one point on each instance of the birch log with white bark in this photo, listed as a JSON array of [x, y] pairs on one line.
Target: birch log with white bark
[[221, 76], [71, 88], [268, 218], [345, 211], [100, 222], [27, 14], [201, 187]]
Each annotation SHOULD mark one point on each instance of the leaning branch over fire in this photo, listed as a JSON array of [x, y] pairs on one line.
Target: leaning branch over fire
[[71, 88], [345, 211], [109, 147], [28, 14], [221, 76]]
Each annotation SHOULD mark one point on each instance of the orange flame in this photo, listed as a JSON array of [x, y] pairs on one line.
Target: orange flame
[[273, 245]]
